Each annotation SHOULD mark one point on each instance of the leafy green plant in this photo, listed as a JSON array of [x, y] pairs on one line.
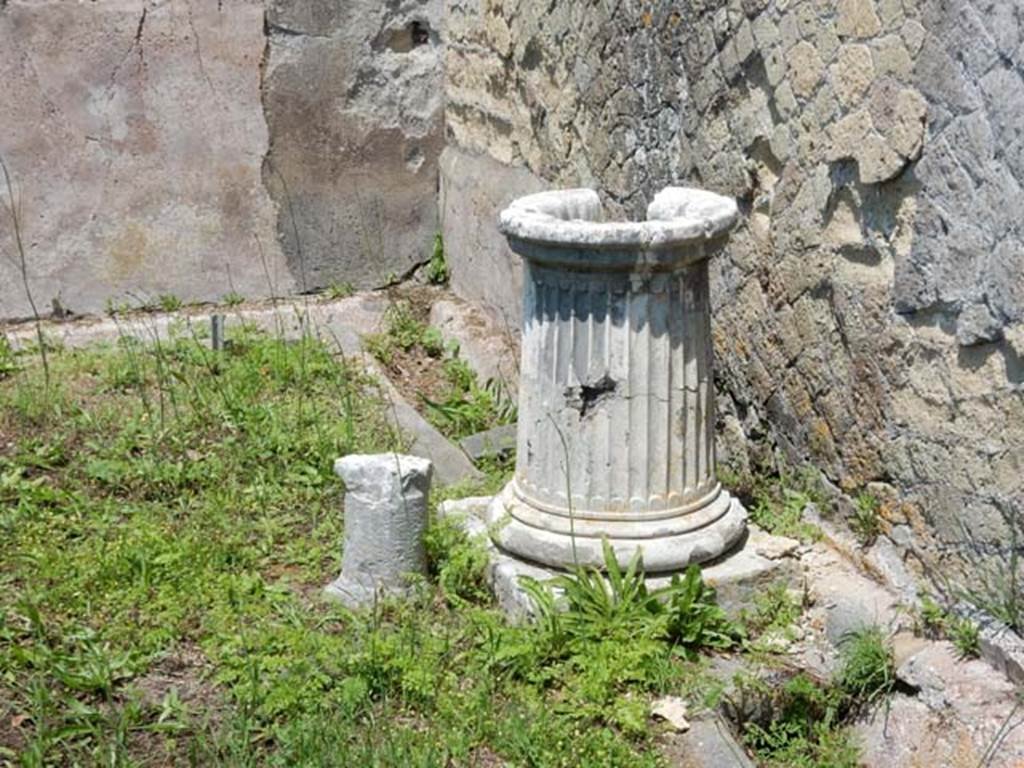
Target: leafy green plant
[[432, 342], [465, 413], [802, 728], [867, 520], [437, 267], [457, 563], [780, 510], [402, 331], [168, 302], [232, 299], [773, 616], [932, 617], [867, 672], [8, 358], [617, 604], [336, 290], [965, 635]]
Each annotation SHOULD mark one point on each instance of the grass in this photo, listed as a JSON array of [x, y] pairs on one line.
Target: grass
[[965, 635], [432, 373], [868, 671], [803, 722], [168, 517], [437, 267], [777, 504], [168, 302], [339, 290], [934, 621], [866, 521]]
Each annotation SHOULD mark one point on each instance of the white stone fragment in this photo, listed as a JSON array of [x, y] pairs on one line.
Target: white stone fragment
[[673, 710], [385, 519]]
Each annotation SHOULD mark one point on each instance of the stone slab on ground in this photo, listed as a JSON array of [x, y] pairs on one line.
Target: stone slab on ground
[[451, 465], [1000, 645], [341, 318], [488, 348], [963, 714], [738, 578], [499, 441], [709, 743]]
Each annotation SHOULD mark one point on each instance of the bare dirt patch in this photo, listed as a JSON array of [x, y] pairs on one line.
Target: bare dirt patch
[[414, 372], [185, 670]]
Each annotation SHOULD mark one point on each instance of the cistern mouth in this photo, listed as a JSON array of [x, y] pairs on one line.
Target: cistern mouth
[[574, 218]]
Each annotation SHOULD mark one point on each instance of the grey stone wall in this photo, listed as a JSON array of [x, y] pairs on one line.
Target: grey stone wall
[[201, 147], [353, 97], [868, 314], [135, 134]]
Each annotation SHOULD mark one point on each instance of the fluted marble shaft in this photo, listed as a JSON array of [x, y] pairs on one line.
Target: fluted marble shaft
[[621, 365], [616, 407]]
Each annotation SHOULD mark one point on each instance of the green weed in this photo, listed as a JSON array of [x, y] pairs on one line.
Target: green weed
[[457, 563], [965, 635], [437, 267], [597, 636], [168, 302], [932, 618], [168, 502], [461, 406], [773, 616], [803, 727], [867, 520], [8, 358], [779, 509], [868, 671], [336, 290]]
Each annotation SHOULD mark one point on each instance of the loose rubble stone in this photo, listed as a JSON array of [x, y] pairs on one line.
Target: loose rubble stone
[[385, 520], [857, 18], [499, 441], [854, 72]]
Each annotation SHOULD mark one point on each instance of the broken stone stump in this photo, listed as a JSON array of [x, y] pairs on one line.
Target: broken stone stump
[[385, 520]]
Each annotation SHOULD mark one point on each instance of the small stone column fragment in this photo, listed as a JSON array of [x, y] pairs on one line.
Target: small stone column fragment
[[616, 403], [385, 520]]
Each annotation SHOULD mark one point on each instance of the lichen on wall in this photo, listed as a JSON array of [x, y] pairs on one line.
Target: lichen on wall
[[868, 317]]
